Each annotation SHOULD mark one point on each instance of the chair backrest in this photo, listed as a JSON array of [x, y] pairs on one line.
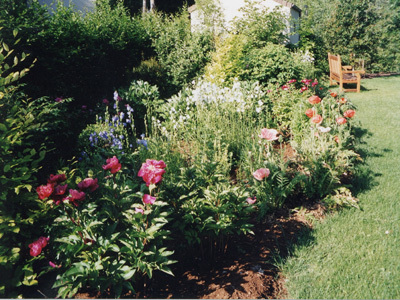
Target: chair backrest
[[335, 65]]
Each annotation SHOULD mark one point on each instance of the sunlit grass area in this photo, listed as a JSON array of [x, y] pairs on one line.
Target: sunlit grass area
[[355, 253]]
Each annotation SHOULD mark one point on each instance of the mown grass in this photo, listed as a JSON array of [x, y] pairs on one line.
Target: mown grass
[[354, 254]]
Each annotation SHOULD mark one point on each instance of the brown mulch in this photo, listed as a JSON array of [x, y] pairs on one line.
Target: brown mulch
[[246, 271]]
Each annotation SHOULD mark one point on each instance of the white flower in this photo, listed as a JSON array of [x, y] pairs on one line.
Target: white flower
[[324, 129], [258, 109]]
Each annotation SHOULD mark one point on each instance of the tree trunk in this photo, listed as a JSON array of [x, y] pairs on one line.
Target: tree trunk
[[144, 6], [152, 5]]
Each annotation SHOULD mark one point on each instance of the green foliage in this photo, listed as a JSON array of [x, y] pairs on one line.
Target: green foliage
[[145, 101], [271, 64], [19, 163], [182, 54], [227, 61], [354, 29], [260, 25]]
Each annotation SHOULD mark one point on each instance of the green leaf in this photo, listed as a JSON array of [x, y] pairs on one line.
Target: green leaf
[[3, 127], [6, 168]]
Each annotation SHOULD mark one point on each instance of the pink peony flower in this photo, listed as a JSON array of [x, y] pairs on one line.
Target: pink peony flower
[[341, 120], [317, 119], [37, 246], [349, 113], [60, 189], [76, 196], [292, 81], [269, 134], [314, 99], [152, 171], [53, 265], [285, 87], [112, 164], [314, 83], [303, 89], [57, 178], [139, 210], [251, 201], [147, 199], [88, 183], [260, 174], [44, 191]]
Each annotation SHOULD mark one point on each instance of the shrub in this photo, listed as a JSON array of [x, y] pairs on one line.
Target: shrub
[[182, 54], [20, 214]]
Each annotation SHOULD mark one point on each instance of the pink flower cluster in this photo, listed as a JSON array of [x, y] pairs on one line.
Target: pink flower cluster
[[37, 246], [112, 164], [152, 171], [56, 191]]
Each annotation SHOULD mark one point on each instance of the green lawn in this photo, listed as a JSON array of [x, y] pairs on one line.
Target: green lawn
[[355, 254]]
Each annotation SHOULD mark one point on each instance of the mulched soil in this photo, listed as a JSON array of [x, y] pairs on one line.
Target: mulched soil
[[245, 271]]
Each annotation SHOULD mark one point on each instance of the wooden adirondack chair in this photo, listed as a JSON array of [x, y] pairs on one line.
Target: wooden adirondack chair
[[343, 74]]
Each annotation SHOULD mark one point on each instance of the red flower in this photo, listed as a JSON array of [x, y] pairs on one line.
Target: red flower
[[285, 87], [317, 119], [269, 134], [113, 165], [314, 100], [341, 120], [44, 191], [57, 178], [147, 199], [37, 246], [76, 196], [336, 139], [152, 171], [260, 174], [334, 94], [342, 100], [292, 81], [349, 113], [88, 183], [314, 83], [310, 112]]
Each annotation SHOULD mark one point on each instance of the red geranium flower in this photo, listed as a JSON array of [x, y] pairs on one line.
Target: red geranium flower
[[317, 119], [349, 113], [113, 165], [152, 171], [341, 120], [44, 191], [334, 94], [314, 99], [88, 183]]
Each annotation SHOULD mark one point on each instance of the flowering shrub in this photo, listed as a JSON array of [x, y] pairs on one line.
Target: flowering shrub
[[111, 134], [109, 232]]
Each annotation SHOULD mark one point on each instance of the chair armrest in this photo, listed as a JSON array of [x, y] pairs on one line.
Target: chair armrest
[[355, 71], [347, 68]]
